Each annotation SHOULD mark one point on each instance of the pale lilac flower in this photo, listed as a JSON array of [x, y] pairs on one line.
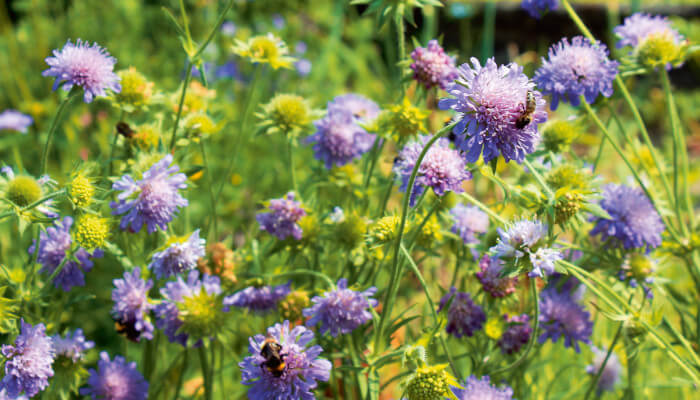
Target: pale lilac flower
[[543, 261], [13, 120], [115, 380], [72, 346], [131, 305], [338, 139], [611, 373], [342, 310], [361, 108], [639, 26], [520, 237], [468, 222], [262, 299], [282, 217], [432, 66], [481, 389], [179, 257], [28, 362]]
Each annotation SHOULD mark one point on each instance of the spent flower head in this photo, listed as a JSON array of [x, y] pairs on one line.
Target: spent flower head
[[286, 114], [265, 49]]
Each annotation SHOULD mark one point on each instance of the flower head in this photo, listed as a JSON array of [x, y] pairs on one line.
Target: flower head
[[662, 49], [265, 49], [640, 26], [362, 109], [81, 190], [136, 89], [338, 139], [286, 114], [23, 190], [342, 310], [85, 65], [384, 230], [521, 237], [468, 222], [72, 346], [28, 362], [489, 101], [543, 260], [13, 120], [611, 372], [131, 305], [482, 389], [574, 69], [516, 335], [634, 222], [464, 317], [491, 280], [636, 270], [261, 299], [54, 246], [91, 231], [115, 380], [153, 200], [562, 316], [429, 382], [538, 7], [443, 169], [291, 307], [220, 261], [558, 135], [402, 120], [180, 256], [302, 367], [432, 67], [283, 217]]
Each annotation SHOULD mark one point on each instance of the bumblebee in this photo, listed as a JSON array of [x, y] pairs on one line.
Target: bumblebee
[[274, 361], [526, 117], [125, 130], [128, 329]]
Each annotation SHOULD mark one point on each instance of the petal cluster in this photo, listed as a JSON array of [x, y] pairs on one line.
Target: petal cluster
[[260, 299], [639, 26], [562, 316], [491, 280], [481, 389], [468, 221], [342, 310], [131, 305], [28, 362], [282, 217], [538, 7], [179, 257], [13, 120], [115, 380], [72, 346], [432, 66], [464, 317]]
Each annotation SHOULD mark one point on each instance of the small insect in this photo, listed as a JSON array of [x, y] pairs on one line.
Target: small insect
[[127, 329], [526, 117], [125, 130], [274, 361]]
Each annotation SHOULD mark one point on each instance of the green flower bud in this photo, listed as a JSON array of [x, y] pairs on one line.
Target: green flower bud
[[290, 308], [23, 190], [81, 191], [91, 231]]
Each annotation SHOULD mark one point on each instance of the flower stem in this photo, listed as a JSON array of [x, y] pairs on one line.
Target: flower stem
[[205, 372], [292, 172], [52, 131], [539, 179], [213, 31], [401, 36], [113, 147], [596, 379], [186, 83], [210, 185]]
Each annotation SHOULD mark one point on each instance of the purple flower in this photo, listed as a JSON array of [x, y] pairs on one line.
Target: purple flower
[[152, 200], [611, 373], [468, 221], [561, 315], [489, 100], [634, 222], [481, 389], [432, 67], [520, 238], [73, 346], [228, 28], [28, 362], [338, 139], [538, 7], [131, 306], [283, 218], [227, 70], [13, 120], [362, 109], [463, 317], [302, 368], [442, 168], [261, 299], [516, 335], [115, 380], [575, 69], [491, 280], [54, 246], [84, 65], [179, 257], [174, 294], [639, 26], [543, 260], [303, 66], [342, 310]]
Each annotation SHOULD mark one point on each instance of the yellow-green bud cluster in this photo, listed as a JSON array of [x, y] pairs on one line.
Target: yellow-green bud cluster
[[91, 231], [428, 383], [558, 135], [567, 206], [384, 230], [136, 89], [290, 307], [661, 50], [351, 231], [201, 315], [402, 120], [23, 190], [286, 114], [81, 191]]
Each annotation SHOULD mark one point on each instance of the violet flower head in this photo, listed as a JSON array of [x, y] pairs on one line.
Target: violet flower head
[[259, 299], [85, 65], [543, 261], [574, 69], [54, 246], [302, 371], [639, 26], [432, 66], [612, 372], [520, 238], [131, 305], [338, 139], [468, 222], [482, 389], [491, 280], [538, 7], [72, 346], [362, 109], [442, 168], [115, 380], [28, 362], [635, 223], [153, 200], [13, 120], [562, 316], [282, 218], [179, 257], [516, 335], [342, 310], [489, 100], [464, 317]]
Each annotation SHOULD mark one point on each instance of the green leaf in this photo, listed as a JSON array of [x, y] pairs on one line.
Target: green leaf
[[596, 210]]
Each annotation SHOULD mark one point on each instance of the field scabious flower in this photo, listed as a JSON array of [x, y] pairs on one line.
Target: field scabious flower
[[286, 114], [527, 237], [640, 26], [481, 389], [464, 317], [180, 256], [265, 49], [562, 316], [54, 246], [429, 382], [131, 305], [261, 299], [516, 335], [115, 380], [574, 69], [432, 67], [635, 223], [338, 139], [611, 374], [283, 217], [468, 221], [28, 362], [303, 369], [153, 200], [72, 346], [342, 310], [85, 65], [402, 120], [489, 100], [491, 280], [538, 7], [362, 109], [23, 190], [442, 168], [13, 120]]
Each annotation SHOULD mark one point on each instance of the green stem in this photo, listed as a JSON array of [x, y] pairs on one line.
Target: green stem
[[596, 379], [302, 272], [483, 207], [213, 32], [186, 83], [181, 376], [539, 179], [292, 172], [210, 185], [205, 372], [401, 36], [52, 131], [113, 147]]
